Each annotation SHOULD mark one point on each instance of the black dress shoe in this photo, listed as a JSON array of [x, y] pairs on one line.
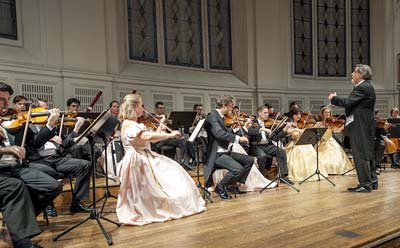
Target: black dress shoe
[[77, 207], [222, 193], [287, 180], [360, 189], [235, 189], [51, 210], [374, 186]]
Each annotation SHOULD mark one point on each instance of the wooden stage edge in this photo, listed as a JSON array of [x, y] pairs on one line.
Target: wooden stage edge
[[321, 215]]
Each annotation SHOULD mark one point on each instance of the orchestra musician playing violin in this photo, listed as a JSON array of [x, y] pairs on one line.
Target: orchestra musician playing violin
[[261, 144], [154, 188], [359, 107], [384, 145], [172, 142], [331, 155], [81, 151], [394, 156], [219, 152], [44, 155], [302, 159], [24, 191]]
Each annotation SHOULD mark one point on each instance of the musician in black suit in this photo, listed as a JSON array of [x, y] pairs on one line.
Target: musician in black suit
[[43, 155], [261, 144], [219, 152], [24, 192], [359, 108]]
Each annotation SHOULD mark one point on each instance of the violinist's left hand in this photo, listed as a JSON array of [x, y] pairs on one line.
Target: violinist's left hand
[[78, 124], [53, 118]]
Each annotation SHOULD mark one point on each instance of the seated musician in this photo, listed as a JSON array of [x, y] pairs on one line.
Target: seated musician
[[174, 142], [302, 159], [81, 151], [261, 144], [384, 145], [19, 103], [44, 155], [331, 155], [394, 114], [24, 192], [219, 153]]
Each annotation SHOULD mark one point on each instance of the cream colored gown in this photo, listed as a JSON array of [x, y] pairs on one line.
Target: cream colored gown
[[302, 161], [153, 187], [331, 155]]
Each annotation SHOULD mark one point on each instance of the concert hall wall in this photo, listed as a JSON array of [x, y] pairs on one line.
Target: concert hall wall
[[71, 48]]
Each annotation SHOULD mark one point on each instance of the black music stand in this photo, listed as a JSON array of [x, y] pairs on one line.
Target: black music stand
[[278, 177], [194, 140], [181, 119], [101, 127], [312, 136]]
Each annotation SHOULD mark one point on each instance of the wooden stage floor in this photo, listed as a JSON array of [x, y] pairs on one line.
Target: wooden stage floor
[[319, 216]]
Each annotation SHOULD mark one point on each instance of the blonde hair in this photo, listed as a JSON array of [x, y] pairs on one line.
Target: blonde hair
[[321, 112], [127, 108]]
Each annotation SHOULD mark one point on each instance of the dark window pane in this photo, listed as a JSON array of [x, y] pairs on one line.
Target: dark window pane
[[331, 38], [302, 27], [219, 30], [142, 30], [8, 20], [182, 33], [360, 40]]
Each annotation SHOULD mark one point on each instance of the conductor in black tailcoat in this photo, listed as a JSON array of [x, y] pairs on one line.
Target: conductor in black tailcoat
[[359, 108], [219, 151]]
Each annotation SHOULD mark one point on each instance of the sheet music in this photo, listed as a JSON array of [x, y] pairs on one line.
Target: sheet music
[[196, 130]]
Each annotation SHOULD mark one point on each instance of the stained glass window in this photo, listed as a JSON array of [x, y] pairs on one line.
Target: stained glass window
[[183, 33], [360, 40], [331, 29], [8, 20], [219, 34], [142, 30], [303, 50]]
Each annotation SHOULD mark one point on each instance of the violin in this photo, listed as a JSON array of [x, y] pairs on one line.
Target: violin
[[231, 121], [18, 120], [306, 120], [336, 124], [149, 122], [381, 123]]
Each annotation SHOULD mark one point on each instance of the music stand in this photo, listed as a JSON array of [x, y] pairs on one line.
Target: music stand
[[181, 119], [312, 136], [278, 177], [101, 127], [193, 139]]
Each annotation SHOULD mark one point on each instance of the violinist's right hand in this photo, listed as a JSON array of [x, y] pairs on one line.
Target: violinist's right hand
[[267, 130], [163, 119], [53, 118], [17, 151], [175, 134], [243, 140]]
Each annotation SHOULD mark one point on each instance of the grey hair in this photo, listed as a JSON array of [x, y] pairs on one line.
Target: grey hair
[[365, 71], [223, 100]]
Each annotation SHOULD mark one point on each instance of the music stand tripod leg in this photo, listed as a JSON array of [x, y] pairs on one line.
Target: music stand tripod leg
[[278, 177], [317, 172], [107, 193], [94, 214], [206, 193]]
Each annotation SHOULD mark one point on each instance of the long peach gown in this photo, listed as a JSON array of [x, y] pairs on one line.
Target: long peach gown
[[153, 187]]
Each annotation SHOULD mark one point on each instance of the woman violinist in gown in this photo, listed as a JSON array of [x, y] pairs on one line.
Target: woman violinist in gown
[[331, 155], [154, 188], [302, 159]]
